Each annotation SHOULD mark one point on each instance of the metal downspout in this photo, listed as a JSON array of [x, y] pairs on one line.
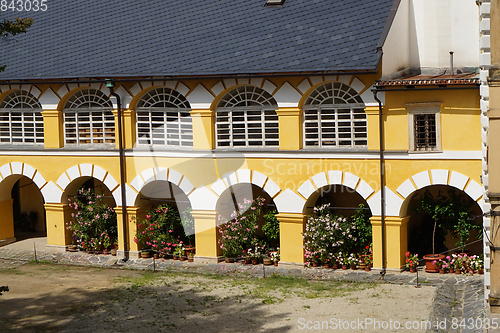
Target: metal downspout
[[382, 180], [122, 173]]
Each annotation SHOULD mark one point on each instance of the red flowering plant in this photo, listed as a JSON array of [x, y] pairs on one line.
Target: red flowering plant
[[162, 229], [93, 223], [367, 255], [238, 233], [411, 260]]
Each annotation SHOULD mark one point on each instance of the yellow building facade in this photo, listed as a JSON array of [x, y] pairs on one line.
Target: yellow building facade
[[297, 158]]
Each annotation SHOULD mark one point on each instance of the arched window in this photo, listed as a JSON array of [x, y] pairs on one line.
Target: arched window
[[334, 116], [21, 121], [246, 117], [88, 118], [164, 119]]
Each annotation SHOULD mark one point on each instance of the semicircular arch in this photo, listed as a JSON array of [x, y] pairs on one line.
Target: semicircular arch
[[309, 190], [49, 190], [439, 177], [160, 174], [89, 170], [204, 198]]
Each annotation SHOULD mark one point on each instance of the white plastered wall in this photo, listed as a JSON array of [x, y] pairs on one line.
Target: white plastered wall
[[443, 26]]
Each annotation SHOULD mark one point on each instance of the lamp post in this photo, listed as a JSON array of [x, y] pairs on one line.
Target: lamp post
[[110, 84]]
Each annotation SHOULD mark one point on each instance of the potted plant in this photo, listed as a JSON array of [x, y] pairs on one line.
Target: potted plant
[[353, 261], [369, 263], [145, 254], [267, 261], [190, 257], [411, 262], [439, 265], [275, 256], [445, 211], [478, 263], [179, 252]]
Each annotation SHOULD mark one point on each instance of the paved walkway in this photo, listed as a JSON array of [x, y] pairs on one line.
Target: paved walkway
[[457, 296]]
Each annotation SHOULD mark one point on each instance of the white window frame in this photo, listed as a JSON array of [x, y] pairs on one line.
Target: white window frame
[[244, 116], [88, 119], [25, 121], [333, 132], [169, 125], [433, 108], [91, 126]]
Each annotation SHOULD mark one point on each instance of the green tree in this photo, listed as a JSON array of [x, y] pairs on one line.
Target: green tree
[[12, 28], [451, 212]]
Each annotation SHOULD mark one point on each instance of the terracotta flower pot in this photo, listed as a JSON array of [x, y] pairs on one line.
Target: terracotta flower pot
[[368, 268], [345, 267], [229, 260], [276, 263], [255, 261], [442, 271], [247, 261], [268, 262], [181, 258], [430, 267]]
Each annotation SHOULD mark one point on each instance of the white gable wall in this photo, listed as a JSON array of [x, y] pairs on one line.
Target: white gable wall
[[396, 47], [442, 26], [425, 31]]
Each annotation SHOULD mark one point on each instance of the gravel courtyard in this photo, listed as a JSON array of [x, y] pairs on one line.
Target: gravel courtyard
[[61, 298]]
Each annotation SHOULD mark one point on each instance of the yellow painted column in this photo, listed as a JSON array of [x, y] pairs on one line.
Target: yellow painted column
[[7, 221], [372, 127], [53, 129], [57, 215], [203, 129], [290, 128], [206, 235], [396, 235], [291, 228], [138, 213]]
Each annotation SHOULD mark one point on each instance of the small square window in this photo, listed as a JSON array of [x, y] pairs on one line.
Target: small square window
[[424, 127], [425, 131]]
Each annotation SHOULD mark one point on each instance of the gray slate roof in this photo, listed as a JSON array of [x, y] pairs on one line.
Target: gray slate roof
[[96, 38]]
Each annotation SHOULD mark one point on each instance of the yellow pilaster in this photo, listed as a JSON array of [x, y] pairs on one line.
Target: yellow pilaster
[[396, 235], [203, 129], [128, 128], [206, 234], [131, 228], [57, 216], [372, 127], [290, 128], [53, 133], [129, 135], [7, 221], [291, 241]]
